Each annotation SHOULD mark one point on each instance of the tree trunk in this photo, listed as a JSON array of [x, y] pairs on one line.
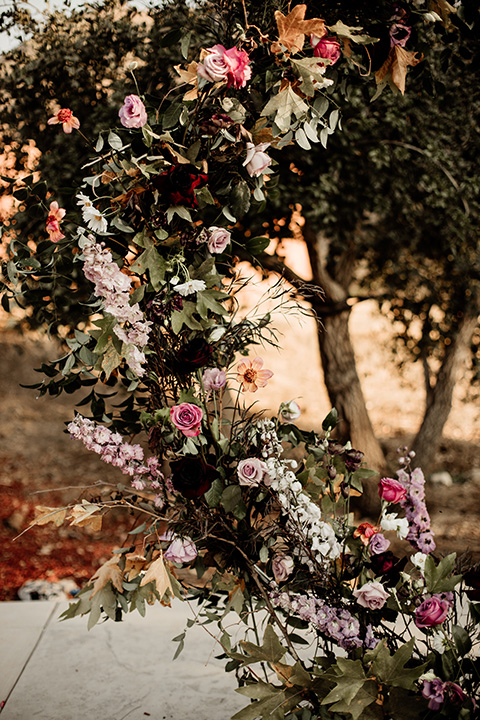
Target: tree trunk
[[338, 360], [439, 397]]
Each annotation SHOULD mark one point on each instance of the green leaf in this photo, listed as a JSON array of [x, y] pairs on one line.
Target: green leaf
[[309, 70], [283, 105], [111, 359], [391, 670], [438, 578], [257, 245], [363, 698], [302, 139], [152, 261], [185, 44], [240, 199], [172, 116], [185, 317], [351, 32], [331, 420], [206, 301], [231, 496], [99, 144], [270, 651], [122, 226], [462, 640], [114, 140], [214, 494]]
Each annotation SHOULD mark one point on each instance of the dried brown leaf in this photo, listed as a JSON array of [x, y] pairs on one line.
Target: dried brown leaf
[[85, 514], [189, 76], [293, 27], [44, 515], [134, 564], [158, 573], [396, 65], [108, 572]]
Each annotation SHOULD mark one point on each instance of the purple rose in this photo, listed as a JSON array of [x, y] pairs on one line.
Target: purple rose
[[378, 544], [372, 595], [187, 418], [282, 566], [181, 550], [251, 471], [218, 239], [132, 113], [433, 691], [432, 611]]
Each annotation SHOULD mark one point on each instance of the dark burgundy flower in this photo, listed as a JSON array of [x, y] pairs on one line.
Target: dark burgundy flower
[[218, 121], [353, 459], [388, 565], [195, 354], [177, 184], [192, 477]]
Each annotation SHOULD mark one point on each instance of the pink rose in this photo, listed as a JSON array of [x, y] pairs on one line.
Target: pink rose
[[391, 490], [214, 67], [432, 611], [132, 113], [239, 70], [257, 161], [218, 239], [251, 471], [187, 418], [372, 595], [182, 550], [282, 566], [214, 379], [326, 48]]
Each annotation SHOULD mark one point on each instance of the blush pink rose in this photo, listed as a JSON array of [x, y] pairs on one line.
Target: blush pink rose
[[326, 48], [181, 550], [214, 67], [187, 418], [391, 490], [432, 611], [214, 379], [372, 595], [282, 566], [239, 70], [251, 471], [132, 113], [257, 160], [218, 239]]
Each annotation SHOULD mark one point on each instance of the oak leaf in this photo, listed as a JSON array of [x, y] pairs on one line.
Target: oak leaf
[[44, 515], [108, 572], [189, 77], [293, 27], [85, 514], [157, 572], [134, 564], [396, 65]]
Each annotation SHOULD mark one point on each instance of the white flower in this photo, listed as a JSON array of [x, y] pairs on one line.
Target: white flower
[[439, 641], [94, 219], [290, 410], [419, 561], [391, 521], [190, 287], [84, 201]]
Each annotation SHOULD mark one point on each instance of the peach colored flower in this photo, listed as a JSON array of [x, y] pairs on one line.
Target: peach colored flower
[[54, 218], [365, 531], [67, 118], [252, 376]]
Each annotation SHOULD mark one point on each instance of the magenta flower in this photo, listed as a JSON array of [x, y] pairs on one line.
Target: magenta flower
[[187, 418], [391, 490], [54, 218], [132, 113], [326, 48], [432, 611]]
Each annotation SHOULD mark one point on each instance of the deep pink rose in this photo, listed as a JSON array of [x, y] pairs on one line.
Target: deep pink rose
[[181, 550], [187, 418], [432, 611], [326, 48], [251, 471], [391, 490], [218, 239], [239, 70], [132, 113], [372, 595]]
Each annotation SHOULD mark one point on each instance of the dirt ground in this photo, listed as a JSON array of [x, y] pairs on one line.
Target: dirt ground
[[37, 456]]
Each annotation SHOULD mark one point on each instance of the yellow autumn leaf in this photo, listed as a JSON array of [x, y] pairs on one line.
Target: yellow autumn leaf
[[293, 27], [158, 573], [44, 515], [108, 572], [85, 514]]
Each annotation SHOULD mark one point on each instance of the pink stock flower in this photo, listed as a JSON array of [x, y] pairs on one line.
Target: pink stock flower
[[66, 118], [218, 239], [251, 472], [326, 48], [432, 611], [391, 490], [181, 550], [257, 161], [372, 595], [251, 375], [55, 216], [132, 113], [187, 418]]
